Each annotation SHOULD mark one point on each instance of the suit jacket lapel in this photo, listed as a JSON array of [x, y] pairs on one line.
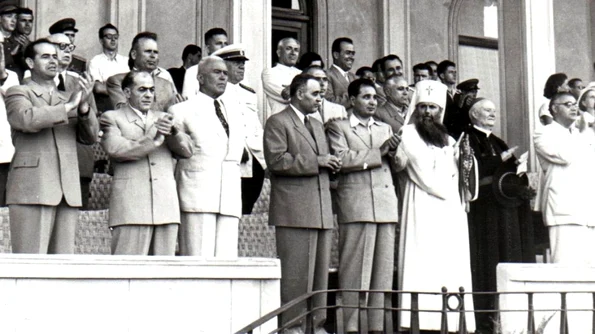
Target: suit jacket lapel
[[363, 134], [133, 117], [301, 128], [41, 92]]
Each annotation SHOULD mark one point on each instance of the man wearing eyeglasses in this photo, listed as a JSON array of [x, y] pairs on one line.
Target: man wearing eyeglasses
[[67, 81], [566, 152], [328, 110], [67, 27], [106, 64], [393, 113]]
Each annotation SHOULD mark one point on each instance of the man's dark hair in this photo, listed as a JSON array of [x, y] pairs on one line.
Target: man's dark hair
[[190, 49], [377, 65], [105, 27], [444, 65], [432, 64], [422, 67], [128, 80], [300, 81], [552, 84], [360, 71], [30, 49], [336, 47], [388, 58], [138, 37], [572, 82], [24, 10], [555, 99], [312, 68], [356, 85], [214, 31], [307, 58]]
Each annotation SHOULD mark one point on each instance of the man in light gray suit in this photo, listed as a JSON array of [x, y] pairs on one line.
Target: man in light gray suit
[[366, 203]]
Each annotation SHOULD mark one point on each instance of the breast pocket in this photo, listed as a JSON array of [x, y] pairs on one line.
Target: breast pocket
[[25, 161]]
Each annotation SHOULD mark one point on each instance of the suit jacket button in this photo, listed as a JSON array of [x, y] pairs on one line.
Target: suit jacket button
[[153, 164]]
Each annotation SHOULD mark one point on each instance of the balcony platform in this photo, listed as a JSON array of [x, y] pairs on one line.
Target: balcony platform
[[133, 294], [549, 280]]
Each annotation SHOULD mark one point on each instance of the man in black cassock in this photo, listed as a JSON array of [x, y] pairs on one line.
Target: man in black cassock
[[500, 226]]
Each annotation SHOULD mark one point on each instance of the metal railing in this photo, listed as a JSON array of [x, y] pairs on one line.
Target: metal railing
[[390, 313]]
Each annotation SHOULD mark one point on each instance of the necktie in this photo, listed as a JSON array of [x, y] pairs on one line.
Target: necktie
[[308, 125], [347, 76], [221, 117], [61, 86]]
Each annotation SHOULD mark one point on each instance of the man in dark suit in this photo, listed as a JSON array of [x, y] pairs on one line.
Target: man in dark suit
[[43, 190], [297, 154], [191, 55], [339, 76], [68, 81]]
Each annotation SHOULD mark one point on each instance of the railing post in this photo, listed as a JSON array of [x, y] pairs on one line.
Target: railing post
[[444, 312], [462, 318], [340, 312], [414, 313], [388, 312], [309, 325], [563, 314], [531, 314], [363, 312]]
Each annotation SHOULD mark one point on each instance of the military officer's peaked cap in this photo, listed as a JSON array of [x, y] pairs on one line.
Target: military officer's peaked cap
[[232, 52], [68, 24]]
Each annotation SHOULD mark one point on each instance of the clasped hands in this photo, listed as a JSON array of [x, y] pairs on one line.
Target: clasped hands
[[329, 161], [391, 144]]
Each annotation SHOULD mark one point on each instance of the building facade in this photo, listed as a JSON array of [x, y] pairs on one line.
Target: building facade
[[511, 46]]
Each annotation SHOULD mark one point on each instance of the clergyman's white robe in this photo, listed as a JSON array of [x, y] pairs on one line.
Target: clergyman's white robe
[[434, 240]]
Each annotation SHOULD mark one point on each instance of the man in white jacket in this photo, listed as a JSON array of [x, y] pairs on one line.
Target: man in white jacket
[[566, 153]]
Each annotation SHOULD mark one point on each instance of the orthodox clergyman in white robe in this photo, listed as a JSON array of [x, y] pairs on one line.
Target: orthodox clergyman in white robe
[[434, 239]]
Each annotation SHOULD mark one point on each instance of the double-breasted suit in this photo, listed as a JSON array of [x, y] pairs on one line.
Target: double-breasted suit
[[143, 187], [300, 206], [44, 171], [337, 87], [367, 212], [209, 183]]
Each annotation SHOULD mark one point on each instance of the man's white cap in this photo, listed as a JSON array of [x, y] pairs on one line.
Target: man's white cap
[[428, 91], [232, 52]]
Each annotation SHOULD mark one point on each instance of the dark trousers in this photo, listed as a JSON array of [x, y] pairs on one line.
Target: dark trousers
[[4, 168], [251, 187]]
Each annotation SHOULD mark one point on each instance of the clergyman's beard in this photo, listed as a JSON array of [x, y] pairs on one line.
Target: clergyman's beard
[[431, 132]]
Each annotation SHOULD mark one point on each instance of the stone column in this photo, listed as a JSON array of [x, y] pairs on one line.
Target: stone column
[[527, 56]]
